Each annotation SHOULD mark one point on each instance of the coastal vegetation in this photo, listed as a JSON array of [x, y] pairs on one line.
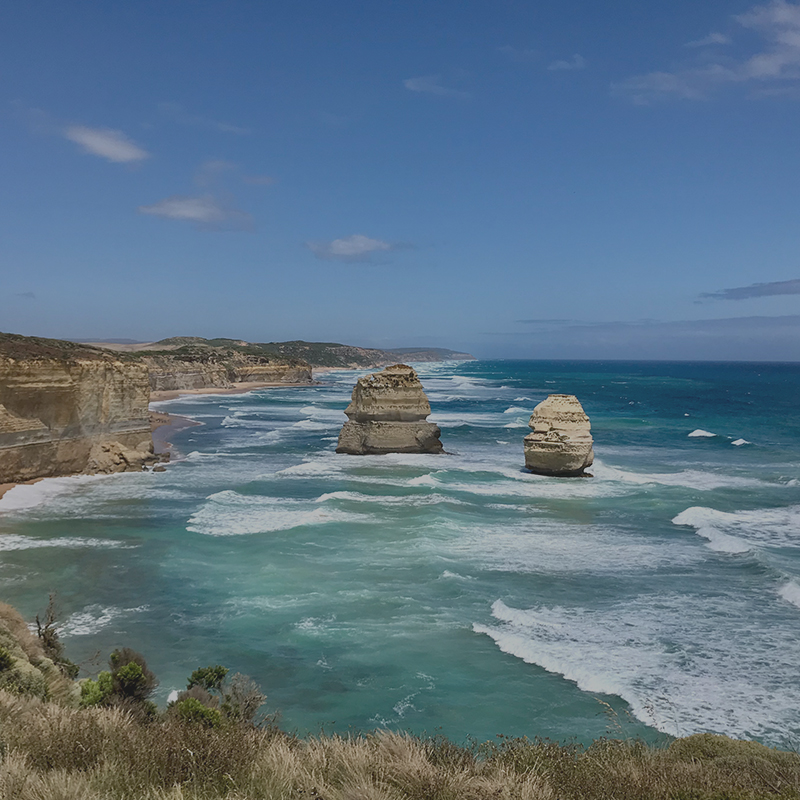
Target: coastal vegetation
[[108, 741]]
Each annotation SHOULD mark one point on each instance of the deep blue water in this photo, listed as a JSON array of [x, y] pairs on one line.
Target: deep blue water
[[456, 592]]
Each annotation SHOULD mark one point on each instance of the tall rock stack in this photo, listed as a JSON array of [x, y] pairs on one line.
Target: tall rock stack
[[388, 414], [561, 442]]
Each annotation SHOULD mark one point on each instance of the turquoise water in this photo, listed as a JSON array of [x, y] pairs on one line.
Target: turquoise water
[[454, 593]]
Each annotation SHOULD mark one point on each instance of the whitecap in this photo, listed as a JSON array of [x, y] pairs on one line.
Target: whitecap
[[740, 442], [791, 593], [738, 531], [670, 657], [12, 541], [228, 513], [94, 618], [29, 495], [516, 410], [700, 433]]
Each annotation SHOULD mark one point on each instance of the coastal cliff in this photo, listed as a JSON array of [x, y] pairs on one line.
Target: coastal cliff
[[190, 362], [288, 356], [67, 409]]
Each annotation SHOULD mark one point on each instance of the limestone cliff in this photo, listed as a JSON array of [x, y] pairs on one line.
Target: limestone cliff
[[387, 414], [561, 442], [67, 409], [190, 362]]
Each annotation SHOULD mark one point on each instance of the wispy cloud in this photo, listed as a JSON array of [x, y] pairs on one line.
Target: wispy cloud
[[711, 39], [774, 67], [107, 143], [432, 84], [517, 54], [204, 211], [177, 113], [350, 249], [756, 290], [576, 62], [26, 295]]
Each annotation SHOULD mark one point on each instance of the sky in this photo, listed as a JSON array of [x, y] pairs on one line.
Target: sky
[[514, 179]]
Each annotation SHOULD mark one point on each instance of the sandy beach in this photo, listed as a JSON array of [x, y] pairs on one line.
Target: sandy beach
[[239, 388]]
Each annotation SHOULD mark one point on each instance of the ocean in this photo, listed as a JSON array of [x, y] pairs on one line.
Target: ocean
[[454, 594]]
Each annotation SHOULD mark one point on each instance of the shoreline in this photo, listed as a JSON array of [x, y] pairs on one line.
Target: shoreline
[[163, 425], [240, 388]]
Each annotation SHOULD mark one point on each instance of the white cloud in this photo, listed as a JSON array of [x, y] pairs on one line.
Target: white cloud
[[106, 143], [576, 62], [712, 38], [352, 248], [432, 84], [205, 211], [773, 68]]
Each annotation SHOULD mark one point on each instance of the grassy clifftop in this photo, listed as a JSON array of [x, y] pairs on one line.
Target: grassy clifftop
[[20, 348], [108, 742]]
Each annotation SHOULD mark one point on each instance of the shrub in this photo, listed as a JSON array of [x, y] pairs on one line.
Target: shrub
[[131, 677], [97, 693], [208, 678], [191, 710], [47, 632], [241, 699]]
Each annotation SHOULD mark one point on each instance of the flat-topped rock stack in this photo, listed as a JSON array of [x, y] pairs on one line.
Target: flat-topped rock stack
[[561, 442], [388, 414]]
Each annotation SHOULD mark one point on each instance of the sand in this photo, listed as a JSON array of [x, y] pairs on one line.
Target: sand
[[239, 388]]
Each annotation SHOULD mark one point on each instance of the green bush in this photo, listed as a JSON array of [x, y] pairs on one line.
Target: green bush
[[133, 681], [191, 710], [208, 678], [97, 693]]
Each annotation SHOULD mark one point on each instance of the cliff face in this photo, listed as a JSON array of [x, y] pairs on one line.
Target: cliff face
[[204, 368], [387, 414], [69, 410]]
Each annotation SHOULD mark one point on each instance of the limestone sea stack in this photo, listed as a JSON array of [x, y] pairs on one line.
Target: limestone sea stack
[[561, 442], [388, 414]]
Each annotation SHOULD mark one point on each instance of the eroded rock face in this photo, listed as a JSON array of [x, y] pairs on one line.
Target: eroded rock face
[[82, 411], [214, 371], [561, 442], [388, 414]]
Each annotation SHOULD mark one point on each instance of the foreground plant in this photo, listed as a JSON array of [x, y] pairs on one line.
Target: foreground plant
[[51, 752]]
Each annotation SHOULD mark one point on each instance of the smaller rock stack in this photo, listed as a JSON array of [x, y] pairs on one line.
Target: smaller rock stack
[[561, 442], [388, 414]]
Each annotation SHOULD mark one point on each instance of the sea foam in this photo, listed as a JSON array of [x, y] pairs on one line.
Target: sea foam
[[669, 656]]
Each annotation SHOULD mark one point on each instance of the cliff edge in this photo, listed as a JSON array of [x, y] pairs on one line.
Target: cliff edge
[[67, 409]]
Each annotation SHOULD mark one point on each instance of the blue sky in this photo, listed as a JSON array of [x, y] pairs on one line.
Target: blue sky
[[519, 179]]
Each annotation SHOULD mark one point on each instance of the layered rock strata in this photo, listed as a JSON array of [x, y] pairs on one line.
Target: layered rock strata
[[208, 369], [561, 442], [66, 409], [388, 414]]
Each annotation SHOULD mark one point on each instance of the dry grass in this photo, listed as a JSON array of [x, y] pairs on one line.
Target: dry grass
[[51, 752]]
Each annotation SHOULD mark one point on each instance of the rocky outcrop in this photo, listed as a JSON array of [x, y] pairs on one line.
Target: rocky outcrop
[[66, 409], [561, 442], [388, 414]]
